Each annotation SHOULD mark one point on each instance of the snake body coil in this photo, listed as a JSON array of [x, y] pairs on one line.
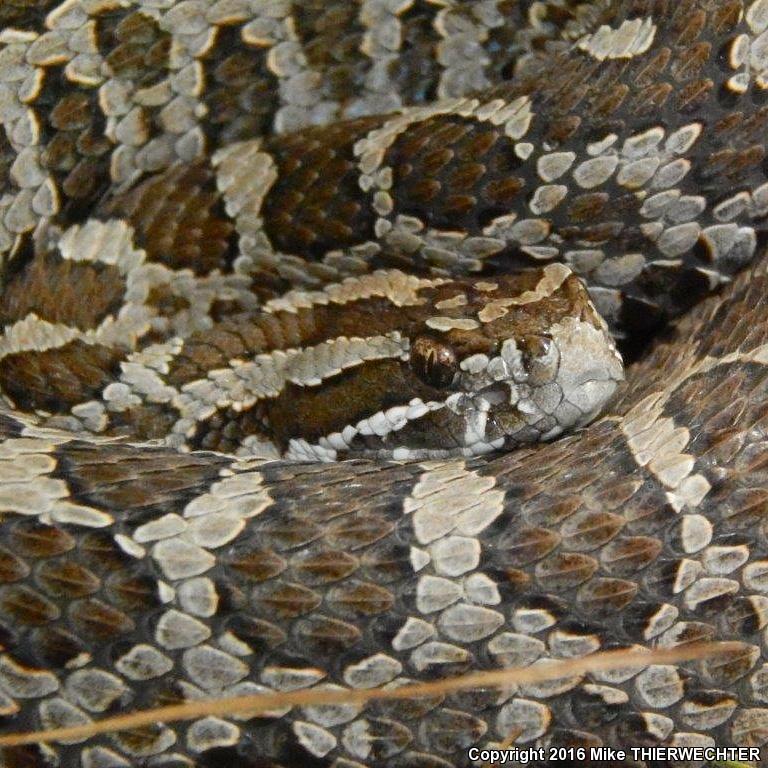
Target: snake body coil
[[222, 218]]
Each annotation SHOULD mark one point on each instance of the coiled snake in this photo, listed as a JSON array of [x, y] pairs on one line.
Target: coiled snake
[[219, 216]]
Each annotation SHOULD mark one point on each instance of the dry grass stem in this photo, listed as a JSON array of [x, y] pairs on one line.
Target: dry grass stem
[[260, 703]]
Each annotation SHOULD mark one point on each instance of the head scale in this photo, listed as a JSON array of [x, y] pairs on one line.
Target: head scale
[[484, 365]]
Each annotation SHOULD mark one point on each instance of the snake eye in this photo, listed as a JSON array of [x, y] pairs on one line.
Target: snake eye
[[433, 362]]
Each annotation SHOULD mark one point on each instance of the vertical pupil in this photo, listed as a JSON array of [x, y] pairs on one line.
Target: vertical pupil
[[433, 362]]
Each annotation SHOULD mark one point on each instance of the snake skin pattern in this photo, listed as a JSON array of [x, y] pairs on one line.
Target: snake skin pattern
[[171, 165]]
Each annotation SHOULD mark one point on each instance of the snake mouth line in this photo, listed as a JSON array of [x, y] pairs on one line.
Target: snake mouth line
[[470, 409]]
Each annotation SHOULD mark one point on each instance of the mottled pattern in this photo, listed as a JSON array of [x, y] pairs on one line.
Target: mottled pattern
[[171, 169]]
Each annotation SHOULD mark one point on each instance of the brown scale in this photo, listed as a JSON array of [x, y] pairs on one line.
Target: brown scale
[[639, 616], [12, 568], [99, 621], [323, 566], [416, 72], [32, 539], [389, 738], [582, 532], [359, 599], [628, 556], [410, 710], [650, 512], [561, 129], [704, 706], [168, 303], [255, 565], [239, 337], [563, 570], [596, 234], [449, 731], [141, 740], [168, 692], [332, 37], [25, 14], [609, 102], [752, 129], [133, 592], [651, 99], [284, 600], [742, 616], [733, 164], [691, 27], [75, 151], [61, 579], [567, 738], [507, 41], [472, 701], [613, 497], [551, 513], [63, 291], [574, 92], [315, 413], [525, 545], [591, 710], [135, 47], [729, 125], [587, 207], [356, 532], [315, 205], [691, 62], [322, 637], [7, 156], [725, 672], [653, 68], [179, 219], [725, 16], [22, 606], [261, 635], [151, 421], [102, 554], [454, 173], [694, 95], [662, 579], [240, 92], [115, 479], [226, 429], [386, 562], [288, 534], [57, 379], [602, 598]]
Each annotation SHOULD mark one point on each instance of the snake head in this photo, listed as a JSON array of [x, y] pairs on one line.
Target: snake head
[[483, 365]]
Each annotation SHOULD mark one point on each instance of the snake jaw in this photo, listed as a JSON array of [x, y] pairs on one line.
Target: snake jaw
[[538, 386], [525, 398]]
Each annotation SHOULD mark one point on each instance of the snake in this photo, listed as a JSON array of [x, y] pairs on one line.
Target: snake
[[309, 310]]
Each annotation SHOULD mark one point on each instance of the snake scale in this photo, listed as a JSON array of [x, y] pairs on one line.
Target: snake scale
[[187, 184]]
